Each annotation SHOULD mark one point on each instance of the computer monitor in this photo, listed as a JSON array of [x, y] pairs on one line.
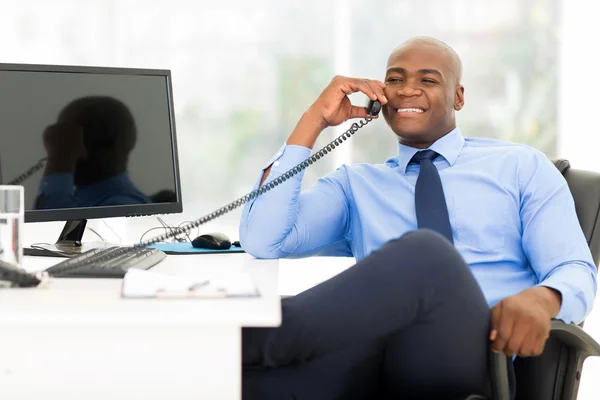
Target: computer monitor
[[88, 142]]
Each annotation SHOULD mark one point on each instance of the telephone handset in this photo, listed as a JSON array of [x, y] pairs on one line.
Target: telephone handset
[[18, 276], [373, 109]]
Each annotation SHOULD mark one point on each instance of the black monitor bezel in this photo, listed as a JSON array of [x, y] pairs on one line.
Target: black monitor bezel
[[134, 210]]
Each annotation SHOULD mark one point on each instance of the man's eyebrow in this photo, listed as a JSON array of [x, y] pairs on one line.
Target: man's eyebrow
[[430, 71], [424, 71], [395, 69]]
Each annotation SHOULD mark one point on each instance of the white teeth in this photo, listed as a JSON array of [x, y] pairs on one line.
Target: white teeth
[[415, 110]]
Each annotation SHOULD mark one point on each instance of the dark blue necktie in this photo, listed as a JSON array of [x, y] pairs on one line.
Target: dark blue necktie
[[430, 203]]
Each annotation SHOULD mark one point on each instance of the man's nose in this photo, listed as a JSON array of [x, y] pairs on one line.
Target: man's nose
[[408, 90]]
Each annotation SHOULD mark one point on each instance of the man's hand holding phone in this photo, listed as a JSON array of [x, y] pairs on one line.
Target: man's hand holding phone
[[333, 107]]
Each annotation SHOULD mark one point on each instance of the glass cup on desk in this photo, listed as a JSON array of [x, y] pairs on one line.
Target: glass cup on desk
[[11, 224]]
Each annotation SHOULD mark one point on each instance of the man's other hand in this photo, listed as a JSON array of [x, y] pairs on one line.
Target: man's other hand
[[521, 323]]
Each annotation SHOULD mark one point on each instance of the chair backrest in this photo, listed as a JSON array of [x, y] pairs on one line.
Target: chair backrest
[[542, 378], [585, 188]]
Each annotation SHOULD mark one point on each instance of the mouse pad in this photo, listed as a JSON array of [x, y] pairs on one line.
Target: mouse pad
[[186, 248]]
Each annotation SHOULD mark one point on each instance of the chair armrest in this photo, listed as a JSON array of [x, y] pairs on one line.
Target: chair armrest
[[498, 364], [572, 336], [575, 337]]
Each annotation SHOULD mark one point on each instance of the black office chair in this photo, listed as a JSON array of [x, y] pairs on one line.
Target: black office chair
[[556, 373]]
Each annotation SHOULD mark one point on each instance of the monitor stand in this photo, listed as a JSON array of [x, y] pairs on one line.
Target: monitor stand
[[69, 242]]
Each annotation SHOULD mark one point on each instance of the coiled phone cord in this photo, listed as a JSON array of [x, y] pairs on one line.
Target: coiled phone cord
[[35, 168], [264, 188]]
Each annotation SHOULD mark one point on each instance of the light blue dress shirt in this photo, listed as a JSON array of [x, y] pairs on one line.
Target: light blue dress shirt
[[512, 214]]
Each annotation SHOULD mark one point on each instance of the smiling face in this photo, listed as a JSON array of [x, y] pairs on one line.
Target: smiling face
[[423, 91]]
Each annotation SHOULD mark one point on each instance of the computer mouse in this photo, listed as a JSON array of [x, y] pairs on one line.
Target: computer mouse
[[214, 241]]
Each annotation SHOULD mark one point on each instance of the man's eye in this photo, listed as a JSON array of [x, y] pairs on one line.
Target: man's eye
[[394, 80], [429, 80]]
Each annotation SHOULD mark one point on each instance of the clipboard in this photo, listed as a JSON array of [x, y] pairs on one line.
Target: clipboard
[[147, 284]]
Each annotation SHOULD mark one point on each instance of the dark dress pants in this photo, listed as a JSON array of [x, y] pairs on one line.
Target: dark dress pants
[[408, 321]]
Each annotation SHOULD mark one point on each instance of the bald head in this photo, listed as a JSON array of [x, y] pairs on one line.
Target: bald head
[[423, 90], [451, 58]]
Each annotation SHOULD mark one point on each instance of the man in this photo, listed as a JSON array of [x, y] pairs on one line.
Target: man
[[88, 150], [412, 318]]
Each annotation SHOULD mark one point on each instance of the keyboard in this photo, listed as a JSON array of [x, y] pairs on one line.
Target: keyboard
[[110, 262]]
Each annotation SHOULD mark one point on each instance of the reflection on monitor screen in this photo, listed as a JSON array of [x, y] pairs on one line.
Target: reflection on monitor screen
[[89, 142]]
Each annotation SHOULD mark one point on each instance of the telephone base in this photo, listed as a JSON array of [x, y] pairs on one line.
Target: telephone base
[[63, 250]]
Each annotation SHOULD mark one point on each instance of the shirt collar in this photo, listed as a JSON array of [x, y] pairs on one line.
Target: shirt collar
[[448, 146]]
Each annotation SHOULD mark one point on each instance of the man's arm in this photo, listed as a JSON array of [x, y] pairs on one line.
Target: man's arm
[[559, 255], [283, 222], [553, 240]]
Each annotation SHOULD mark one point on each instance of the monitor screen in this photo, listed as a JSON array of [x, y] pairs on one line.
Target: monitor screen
[[89, 142]]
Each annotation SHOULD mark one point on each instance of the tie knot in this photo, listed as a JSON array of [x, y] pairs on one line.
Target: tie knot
[[424, 155]]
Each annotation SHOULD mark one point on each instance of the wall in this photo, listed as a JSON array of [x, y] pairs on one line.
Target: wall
[[579, 86]]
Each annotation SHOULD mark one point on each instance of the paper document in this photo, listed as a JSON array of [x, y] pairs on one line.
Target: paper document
[[139, 283]]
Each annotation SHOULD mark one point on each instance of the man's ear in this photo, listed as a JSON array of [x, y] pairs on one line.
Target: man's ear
[[459, 98]]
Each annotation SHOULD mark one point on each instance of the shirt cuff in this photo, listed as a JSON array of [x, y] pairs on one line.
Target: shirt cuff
[[291, 155], [574, 304], [60, 182], [286, 158]]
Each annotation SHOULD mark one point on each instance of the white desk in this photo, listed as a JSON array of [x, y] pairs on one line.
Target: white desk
[[78, 339]]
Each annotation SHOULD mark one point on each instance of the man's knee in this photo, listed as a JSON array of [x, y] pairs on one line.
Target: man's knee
[[424, 253], [426, 240], [423, 243]]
